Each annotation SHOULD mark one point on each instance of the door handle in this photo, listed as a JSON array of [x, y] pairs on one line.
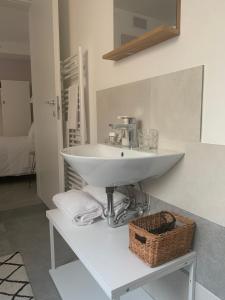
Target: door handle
[[58, 107], [50, 102]]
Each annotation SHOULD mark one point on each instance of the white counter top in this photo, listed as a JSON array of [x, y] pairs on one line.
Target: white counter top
[[105, 254]]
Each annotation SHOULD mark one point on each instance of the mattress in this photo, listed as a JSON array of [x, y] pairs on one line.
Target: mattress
[[16, 156]]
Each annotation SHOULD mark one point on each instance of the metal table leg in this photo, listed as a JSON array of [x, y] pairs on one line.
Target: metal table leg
[[192, 281], [52, 245]]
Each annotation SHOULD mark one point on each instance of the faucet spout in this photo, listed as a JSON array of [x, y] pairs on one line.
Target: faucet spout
[[130, 125]]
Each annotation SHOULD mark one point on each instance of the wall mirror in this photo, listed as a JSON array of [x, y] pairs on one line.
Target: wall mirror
[[139, 24]]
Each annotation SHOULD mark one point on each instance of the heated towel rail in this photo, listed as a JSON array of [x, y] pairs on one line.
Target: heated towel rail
[[73, 71]]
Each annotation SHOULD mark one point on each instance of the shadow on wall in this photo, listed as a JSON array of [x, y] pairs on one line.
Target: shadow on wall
[[15, 69], [67, 49], [64, 21]]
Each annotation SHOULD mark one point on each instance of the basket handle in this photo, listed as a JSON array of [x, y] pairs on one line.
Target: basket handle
[[166, 226], [164, 212], [140, 239]]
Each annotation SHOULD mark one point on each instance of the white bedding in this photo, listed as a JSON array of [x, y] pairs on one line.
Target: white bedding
[[15, 158]]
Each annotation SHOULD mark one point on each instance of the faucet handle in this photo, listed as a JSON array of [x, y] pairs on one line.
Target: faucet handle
[[127, 120]]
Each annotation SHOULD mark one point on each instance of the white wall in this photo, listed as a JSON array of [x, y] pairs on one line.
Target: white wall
[[14, 48], [14, 37], [200, 43], [90, 24]]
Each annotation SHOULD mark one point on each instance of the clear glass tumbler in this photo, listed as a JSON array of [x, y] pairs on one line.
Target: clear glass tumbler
[[153, 139], [148, 139]]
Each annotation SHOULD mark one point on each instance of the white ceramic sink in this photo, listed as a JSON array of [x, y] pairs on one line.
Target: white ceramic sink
[[105, 166]]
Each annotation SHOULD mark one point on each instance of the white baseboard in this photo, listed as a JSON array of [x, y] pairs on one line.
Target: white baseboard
[[203, 294], [175, 287]]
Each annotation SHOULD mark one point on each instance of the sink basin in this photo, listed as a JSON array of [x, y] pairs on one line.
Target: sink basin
[[106, 166]]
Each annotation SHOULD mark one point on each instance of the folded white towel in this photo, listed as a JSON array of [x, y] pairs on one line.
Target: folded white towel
[[79, 206], [100, 196]]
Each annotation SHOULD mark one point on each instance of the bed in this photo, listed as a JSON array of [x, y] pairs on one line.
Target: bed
[[16, 155]]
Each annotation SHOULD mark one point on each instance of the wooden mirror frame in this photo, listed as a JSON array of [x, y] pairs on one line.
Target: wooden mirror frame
[[148, 39]]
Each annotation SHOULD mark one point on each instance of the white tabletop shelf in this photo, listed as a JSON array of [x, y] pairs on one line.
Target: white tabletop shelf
[[106, 269]]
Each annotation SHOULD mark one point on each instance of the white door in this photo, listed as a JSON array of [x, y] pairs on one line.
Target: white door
[[45, 68], [16, 113]]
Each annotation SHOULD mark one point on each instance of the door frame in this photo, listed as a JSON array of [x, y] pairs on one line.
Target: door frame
[[57, 92]]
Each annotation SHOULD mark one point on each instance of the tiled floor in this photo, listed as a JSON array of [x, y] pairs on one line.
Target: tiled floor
[[17, 192], [25, 229]]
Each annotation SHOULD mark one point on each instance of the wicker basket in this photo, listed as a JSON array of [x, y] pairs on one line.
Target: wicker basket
[[156, 249]]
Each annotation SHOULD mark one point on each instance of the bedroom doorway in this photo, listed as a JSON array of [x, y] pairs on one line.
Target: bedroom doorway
[[17, 149], [32, 28]]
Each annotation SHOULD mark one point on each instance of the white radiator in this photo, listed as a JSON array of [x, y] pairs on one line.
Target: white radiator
[[73, 72]]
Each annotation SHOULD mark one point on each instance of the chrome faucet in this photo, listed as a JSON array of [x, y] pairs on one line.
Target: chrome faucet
[[127, 212], [130, 125]]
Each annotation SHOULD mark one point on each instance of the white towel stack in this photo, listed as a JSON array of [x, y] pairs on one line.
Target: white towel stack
[[100, 196], [78, 206], [84, 207]]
